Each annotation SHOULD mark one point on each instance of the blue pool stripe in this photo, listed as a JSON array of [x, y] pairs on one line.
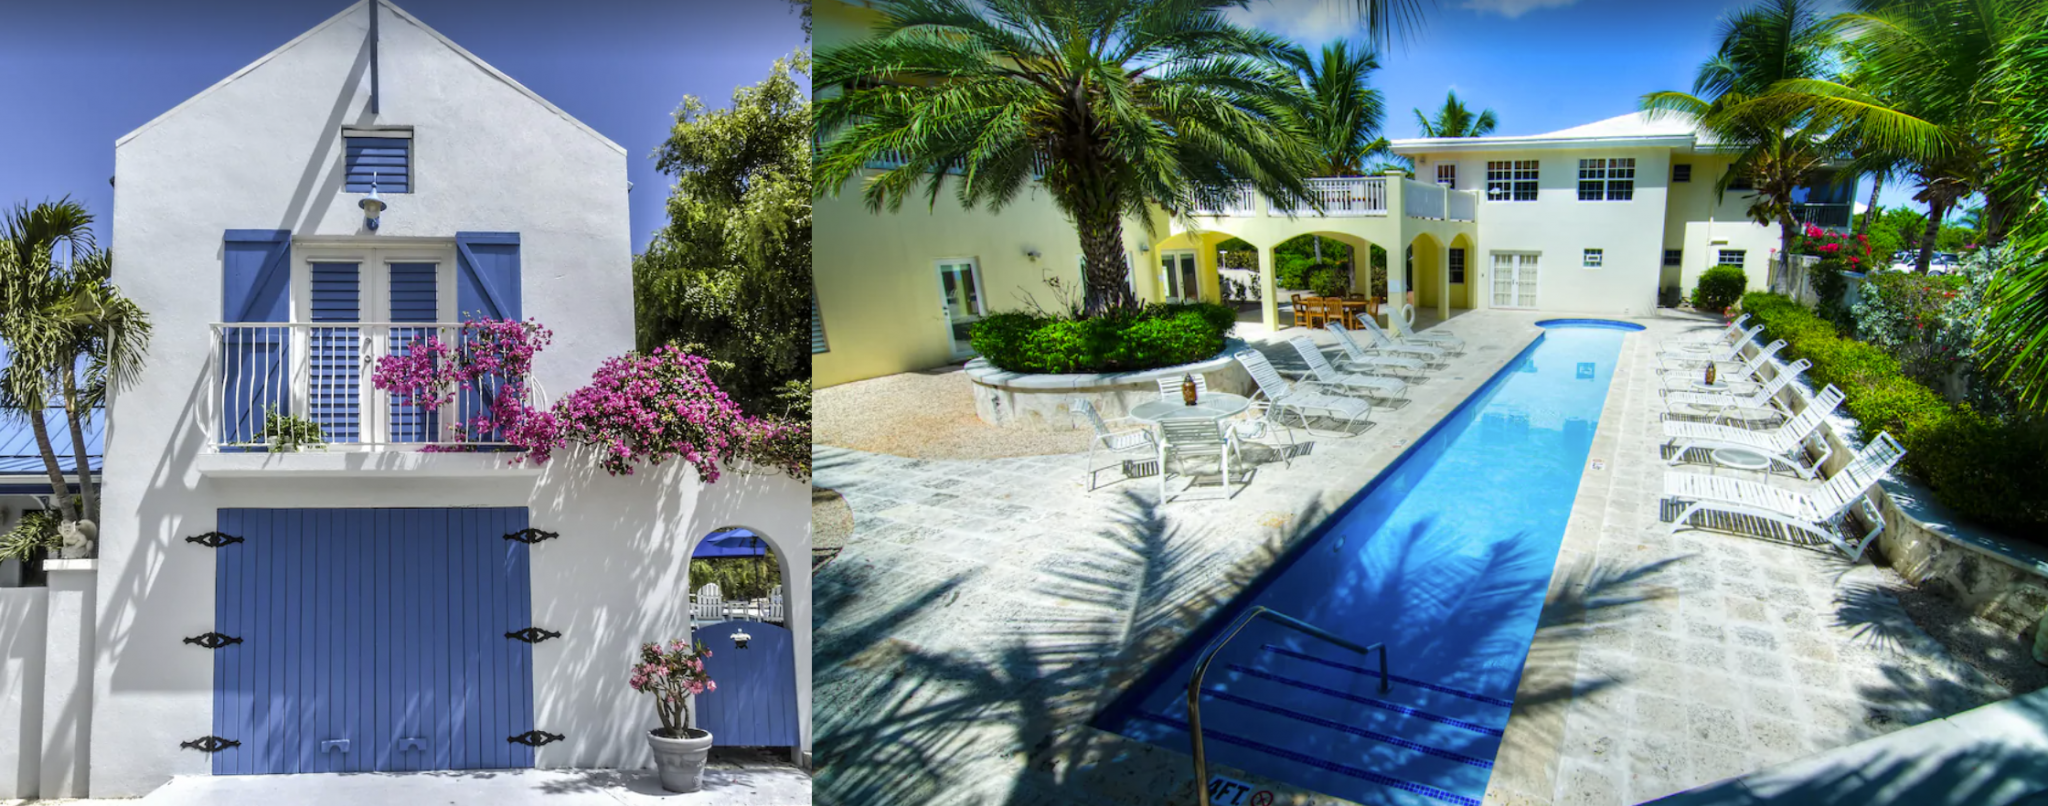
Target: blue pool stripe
[[1323, 764], [1381, 704], [1449, 755], [1394, 677]]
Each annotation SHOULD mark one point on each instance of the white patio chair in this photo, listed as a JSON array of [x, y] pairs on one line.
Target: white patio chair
[[1357, 358], [1193, 438], [1257, 429], [1388, 344], [1784, 445], [1727, 353], [708, 604], [1435, 337], [1304, 399], [1169, 388], [1733, 405], [1130, 441], [1813, 512], [1320, 371]]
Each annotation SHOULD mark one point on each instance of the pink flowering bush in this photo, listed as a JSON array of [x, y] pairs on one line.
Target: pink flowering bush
[[652, 407], [672, 674], [487, 367]]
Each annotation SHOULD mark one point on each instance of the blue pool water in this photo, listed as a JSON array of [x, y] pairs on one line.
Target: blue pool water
[[1445, 558]]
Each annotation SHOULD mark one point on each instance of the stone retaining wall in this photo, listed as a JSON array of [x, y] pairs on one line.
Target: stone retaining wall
[[1044, 402]]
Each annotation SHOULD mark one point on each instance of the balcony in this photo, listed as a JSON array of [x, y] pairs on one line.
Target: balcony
[[1343, 196], [271, 384], [1836, 217], [1358, 196]]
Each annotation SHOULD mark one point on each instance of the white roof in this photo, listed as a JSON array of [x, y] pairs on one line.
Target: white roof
[[1634, 128]]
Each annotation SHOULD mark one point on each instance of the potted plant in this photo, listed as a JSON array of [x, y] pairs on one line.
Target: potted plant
[[673, 674], [22, 547], [291, 434]]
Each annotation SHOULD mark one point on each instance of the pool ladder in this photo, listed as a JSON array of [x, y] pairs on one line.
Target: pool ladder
[[1195, 680]]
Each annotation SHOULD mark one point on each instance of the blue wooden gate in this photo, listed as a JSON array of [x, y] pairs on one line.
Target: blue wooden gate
[[372, 640], [755, 704]]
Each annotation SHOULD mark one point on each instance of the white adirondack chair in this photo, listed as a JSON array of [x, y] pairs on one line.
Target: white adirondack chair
[[1784, 445], [1302, 400], [1814, 513], [1320, 371], [707, 604], [1357, 358]]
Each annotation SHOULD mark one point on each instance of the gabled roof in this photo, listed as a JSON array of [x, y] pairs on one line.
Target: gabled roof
[[401, 13], [1639, 129]]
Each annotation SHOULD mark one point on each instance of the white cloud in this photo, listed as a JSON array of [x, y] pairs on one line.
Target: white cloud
[[1310, 22], [1513, 8]]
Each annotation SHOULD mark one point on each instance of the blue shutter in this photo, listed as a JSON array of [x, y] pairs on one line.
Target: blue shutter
[[256, 287], [486, 287], [414, 298], [336, 354], [386, 160]]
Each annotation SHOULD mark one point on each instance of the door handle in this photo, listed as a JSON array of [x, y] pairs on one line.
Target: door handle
[[334, 744], [411, 743]]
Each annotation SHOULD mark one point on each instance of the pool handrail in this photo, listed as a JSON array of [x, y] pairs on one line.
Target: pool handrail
[[1202, 667]]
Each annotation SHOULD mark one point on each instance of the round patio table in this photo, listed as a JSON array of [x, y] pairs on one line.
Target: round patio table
[[1213, 406], [1740, 459], [1716, 386]]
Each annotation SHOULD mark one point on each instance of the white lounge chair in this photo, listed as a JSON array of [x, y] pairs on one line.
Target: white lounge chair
[[1731, 331], [1784, 445], [1716, 353], [1357, 358], [1814, 513], [1302, 400], [1320, 371], [1184, 439], [1381, 342], [1740, 373], [1733, 405], [1127, 442], [1433, 338]]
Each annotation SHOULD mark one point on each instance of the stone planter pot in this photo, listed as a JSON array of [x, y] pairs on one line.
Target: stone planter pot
[[681, 761]]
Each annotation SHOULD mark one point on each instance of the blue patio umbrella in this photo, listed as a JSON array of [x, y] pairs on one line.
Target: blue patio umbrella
[[731, 543]]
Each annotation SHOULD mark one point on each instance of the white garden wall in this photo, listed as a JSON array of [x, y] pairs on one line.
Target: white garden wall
[[22, 647], [262, 151]]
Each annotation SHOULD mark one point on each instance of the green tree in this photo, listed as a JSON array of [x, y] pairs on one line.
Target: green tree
[[730, 275], [1344, 112], [1454, 120], [1115, 107], [1782, 147], [70, 335]]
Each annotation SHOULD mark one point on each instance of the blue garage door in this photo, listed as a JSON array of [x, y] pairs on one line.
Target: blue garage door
[[372, 640], [755, 704]]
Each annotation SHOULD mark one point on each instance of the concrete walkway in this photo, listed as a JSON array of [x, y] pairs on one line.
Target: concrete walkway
[[724, 785], [983, 611]]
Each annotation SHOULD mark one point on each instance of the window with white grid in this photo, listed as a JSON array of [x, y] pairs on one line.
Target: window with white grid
[[1612, 179], [1730, 257], [1511, 180], [1447, 174], [1674, 257], [1594, 257]]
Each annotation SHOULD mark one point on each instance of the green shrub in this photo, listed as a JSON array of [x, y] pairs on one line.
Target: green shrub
[[1984, 469], [1719, 288], [1327, 281], [1161, 335]]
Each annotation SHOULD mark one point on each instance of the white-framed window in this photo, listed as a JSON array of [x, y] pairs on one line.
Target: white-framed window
[[1511, 180], [1608, 179], [1674, 257], [1681, 172], [1594, 257], [1447, 174], [1730, 257]]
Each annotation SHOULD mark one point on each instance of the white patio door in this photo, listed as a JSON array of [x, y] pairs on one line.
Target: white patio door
[[1514, 280], [349, 302], [960, 301], [1178, 280]]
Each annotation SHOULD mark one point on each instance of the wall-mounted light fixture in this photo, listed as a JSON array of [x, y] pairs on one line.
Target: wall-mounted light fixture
[[1031, 253], [373, 205], [740, 639], [1144, 247]]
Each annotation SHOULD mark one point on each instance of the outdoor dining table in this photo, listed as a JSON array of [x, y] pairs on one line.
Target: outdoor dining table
[[1211, 406], [1353, 308]]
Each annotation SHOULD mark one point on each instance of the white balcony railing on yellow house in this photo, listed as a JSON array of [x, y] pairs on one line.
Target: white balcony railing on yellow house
[[1340, 196], [273, 383]]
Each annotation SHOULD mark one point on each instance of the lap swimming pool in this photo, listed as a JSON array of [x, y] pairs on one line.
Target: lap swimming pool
[[1445, 559]]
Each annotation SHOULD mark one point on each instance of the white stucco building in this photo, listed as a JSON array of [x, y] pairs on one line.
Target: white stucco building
[[365, 595]]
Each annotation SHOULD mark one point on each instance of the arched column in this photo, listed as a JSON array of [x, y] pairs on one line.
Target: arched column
[[1269, 292]]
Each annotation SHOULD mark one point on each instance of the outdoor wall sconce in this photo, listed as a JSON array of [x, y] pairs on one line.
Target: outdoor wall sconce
[[740, 639], [1144, 247], [1031, 253], [373, 206]]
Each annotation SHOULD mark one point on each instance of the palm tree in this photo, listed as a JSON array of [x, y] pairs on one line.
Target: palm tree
[[2015, 338], [1345, 111], [61, 318], [1123, 105], [1454, 120], [1782, 147]]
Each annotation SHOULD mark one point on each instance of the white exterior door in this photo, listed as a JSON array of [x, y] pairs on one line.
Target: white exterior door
[[960, 301], [1177, 270], [1514, 280]]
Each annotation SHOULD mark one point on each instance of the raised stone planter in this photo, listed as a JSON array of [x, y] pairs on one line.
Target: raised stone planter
[[1044, 402]]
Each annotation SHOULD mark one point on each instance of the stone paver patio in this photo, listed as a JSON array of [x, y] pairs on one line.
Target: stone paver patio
[[983, 611]]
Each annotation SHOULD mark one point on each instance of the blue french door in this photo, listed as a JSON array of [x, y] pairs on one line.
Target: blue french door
[[755, 704], [372, 640]]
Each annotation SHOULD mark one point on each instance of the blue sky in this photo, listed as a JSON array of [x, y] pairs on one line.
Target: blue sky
[[1541, 65], [78, 74]]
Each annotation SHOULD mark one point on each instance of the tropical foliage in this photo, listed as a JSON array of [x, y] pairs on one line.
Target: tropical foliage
[[1113, 107], [1158, 335], [1453, 119], [1344, 112]]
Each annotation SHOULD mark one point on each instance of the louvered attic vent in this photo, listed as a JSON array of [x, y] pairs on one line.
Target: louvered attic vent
[[384, 155]]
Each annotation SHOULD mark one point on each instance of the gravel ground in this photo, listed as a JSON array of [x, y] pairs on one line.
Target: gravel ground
[[2002, 655], [924, 415]]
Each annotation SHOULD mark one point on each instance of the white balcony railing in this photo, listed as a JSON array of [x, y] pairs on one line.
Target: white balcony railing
[[1826, 216], [1343, 196], [269, 380], [1463, 205], [1424, 200], [1241, 204]]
